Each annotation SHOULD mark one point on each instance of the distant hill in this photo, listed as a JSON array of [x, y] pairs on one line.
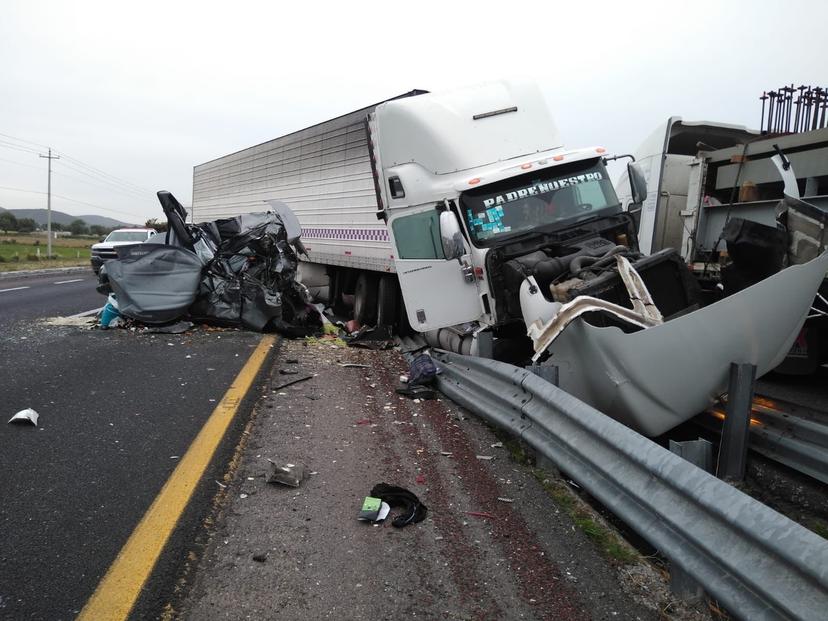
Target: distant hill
[[40, 215]]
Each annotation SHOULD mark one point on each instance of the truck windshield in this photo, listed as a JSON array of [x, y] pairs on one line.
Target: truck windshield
[[547, 199], [117, 236]]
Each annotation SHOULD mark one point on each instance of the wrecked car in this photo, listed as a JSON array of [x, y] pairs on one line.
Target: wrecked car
[[233, 272]]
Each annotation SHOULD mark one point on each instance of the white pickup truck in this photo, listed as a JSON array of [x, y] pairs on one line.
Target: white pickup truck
[[105, 250]]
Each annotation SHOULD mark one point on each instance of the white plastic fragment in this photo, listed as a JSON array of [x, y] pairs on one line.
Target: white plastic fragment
[[25, 415]]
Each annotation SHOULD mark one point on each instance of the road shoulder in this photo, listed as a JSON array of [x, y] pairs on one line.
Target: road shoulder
[[494, 545]]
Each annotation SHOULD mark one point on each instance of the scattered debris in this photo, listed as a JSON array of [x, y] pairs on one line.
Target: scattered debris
[[110, 314], [481, 514], [497, 445], [420, 479], [287, 383], [80, 322], [353, 365], [413, 510], [506, 499], [485, 457], [288, 474], [260, 557], [376, 339], [179, 327], [288, 372], [373, 510], [422, 370], [292, 361], [25, 416], [446, 453], [416, 392]]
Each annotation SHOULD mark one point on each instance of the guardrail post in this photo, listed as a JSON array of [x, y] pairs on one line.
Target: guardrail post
[[699, 453], [736, 427], [549, 372]]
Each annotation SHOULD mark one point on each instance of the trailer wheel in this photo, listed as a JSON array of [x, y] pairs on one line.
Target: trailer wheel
[[365, 299], [387, 301]]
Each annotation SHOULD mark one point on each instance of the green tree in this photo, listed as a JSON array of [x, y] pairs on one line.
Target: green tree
[[98, 230], [26, 225], [7, 221], [78, 227], [57, 226]]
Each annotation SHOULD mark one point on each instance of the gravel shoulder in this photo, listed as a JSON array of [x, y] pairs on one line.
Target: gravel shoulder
[[495, 544]]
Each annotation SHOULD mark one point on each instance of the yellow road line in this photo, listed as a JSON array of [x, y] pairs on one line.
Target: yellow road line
[[119, 590]]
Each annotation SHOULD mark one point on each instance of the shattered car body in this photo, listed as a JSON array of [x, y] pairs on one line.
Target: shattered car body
[[236, 272]]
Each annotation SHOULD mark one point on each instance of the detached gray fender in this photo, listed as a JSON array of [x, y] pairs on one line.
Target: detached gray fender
[[155, 284]]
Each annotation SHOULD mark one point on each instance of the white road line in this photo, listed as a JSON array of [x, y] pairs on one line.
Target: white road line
[[12, 289], [85, 313], [66, 282]]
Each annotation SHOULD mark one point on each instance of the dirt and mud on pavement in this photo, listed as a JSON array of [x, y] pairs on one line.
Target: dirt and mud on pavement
[[494, 545]]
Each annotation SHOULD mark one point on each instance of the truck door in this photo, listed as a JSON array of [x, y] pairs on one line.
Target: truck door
[[436, 291]]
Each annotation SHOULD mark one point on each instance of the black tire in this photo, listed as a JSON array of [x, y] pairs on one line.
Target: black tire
[[387, 301], [365, 299]]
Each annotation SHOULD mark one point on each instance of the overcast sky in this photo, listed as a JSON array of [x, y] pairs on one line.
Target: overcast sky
[[133, 95]]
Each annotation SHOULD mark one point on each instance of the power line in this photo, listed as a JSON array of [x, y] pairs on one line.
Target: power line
[[37, 144], [17, 147], [104, 173], [66, 156], [112, 185], [2, 159], [73, 200], [126, 191]]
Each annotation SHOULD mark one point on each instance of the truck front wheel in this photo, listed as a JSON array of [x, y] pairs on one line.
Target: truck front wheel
[[365, 299], [387, 301]]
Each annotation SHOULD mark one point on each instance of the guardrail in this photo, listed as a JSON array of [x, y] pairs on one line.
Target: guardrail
[[784, 432], [751, 559]]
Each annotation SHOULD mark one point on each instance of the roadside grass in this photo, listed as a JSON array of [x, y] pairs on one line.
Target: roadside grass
[[20, 252], [610, 545], [819, 527]]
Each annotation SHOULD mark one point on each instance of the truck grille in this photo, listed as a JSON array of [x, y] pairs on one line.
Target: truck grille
[[105, 254]]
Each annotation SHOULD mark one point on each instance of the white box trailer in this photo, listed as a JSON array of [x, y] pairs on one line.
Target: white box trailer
[[323, 173]]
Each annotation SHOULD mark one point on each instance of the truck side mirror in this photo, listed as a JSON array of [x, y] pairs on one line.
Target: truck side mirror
[[450, 236], [638, 183]]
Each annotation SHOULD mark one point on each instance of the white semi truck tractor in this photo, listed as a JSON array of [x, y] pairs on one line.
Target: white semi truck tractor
[[452, 200]]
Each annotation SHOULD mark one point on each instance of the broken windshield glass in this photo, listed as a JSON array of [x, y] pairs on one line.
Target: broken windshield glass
[[550, 197]]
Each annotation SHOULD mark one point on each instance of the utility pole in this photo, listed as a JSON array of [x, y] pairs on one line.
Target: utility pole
[[49, 157]]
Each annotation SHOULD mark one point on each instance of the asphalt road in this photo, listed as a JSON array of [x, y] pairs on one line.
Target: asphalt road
[[117, 409], [30, 297]]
